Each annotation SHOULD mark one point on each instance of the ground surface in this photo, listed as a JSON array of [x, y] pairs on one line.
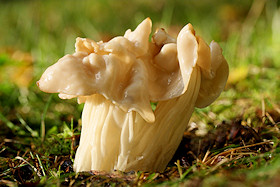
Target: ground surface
[[235, 141]]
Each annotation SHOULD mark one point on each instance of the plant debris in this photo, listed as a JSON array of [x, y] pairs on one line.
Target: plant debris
[[240, 143], [226, 146], [227, 139]]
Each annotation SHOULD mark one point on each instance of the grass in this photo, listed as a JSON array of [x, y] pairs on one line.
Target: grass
[[235, 140]]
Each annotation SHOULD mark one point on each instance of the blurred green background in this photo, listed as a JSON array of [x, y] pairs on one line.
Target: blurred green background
[[35, 34]]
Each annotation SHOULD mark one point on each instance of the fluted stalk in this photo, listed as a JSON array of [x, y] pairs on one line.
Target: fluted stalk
[[114, 139]]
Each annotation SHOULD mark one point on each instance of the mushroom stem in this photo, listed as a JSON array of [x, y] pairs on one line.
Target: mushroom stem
[[114, 139]]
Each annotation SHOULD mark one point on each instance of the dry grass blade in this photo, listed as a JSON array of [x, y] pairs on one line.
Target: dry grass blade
[[7, 183], [225, 153], [14, 141], [224, 160], [25, 161], [206, 156], [270, 118]]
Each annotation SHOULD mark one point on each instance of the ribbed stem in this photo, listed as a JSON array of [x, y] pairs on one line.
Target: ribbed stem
[[113, 139]]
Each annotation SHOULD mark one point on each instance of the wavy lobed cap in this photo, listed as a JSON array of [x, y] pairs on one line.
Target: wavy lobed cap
[[131, 71]]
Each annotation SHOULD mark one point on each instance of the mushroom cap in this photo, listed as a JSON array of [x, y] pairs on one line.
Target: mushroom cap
[[131, 71], [114, 69], [211, 61], [214, 79]]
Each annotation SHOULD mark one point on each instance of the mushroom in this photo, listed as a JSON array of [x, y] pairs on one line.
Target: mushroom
[[117, 80]]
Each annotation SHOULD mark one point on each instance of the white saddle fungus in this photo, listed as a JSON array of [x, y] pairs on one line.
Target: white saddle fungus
[[118, 79]]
